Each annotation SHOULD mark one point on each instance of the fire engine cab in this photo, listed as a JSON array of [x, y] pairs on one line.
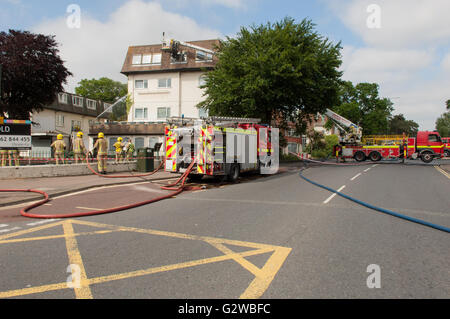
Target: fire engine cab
[[220, 146], [446, 141]]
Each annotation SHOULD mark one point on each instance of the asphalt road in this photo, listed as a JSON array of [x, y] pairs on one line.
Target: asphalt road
[[270, 237]]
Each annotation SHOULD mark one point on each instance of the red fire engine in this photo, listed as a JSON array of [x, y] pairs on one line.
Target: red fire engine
[[446, 141], [426, 146]]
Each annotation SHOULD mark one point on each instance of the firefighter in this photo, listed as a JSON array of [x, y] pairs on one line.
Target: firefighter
[[102, 152], [4, 156], [130, 149], [79, 149], [14, 154], [119, 149], [59, 147]]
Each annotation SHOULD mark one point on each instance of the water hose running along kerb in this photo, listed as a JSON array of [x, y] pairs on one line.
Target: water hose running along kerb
[[379, 209]]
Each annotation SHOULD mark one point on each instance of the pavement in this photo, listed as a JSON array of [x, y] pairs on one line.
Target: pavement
[[56, 186]]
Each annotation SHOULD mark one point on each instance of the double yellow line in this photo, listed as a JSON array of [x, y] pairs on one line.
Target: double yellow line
[[442, 171]]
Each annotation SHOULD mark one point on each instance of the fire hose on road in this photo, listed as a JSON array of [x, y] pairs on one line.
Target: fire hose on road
[[360, 202], [172, 187]]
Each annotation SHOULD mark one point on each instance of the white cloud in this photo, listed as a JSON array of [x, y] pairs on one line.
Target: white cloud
[[446, 62], [234, 4], [383, 65], [404, 23], [98, 49], [403, 55]]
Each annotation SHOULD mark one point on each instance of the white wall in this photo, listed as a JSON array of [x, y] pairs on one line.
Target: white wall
[[184, 93]]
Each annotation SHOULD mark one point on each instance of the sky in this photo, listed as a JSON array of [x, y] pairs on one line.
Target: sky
[[403, 45]]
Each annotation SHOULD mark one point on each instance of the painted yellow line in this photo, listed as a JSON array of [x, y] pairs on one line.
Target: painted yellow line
[[176, 235], [175, 266], [31, 230], [239, 259], [442, 171], [82, 292], [132, 274], [21, 240], [263, 277], [260, 284], [32, 290]]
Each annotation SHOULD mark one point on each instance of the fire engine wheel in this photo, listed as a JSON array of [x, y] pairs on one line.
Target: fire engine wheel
[[375, 156], [360, 157], [447, 153], [426, 157], [233, 176]]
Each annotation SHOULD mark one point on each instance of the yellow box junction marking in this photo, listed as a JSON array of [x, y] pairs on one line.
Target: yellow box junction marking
[[263, 276]]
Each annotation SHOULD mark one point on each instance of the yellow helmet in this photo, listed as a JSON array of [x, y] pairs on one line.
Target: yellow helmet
[[119, 139], [80, 134], [101, 135], [59, 137]]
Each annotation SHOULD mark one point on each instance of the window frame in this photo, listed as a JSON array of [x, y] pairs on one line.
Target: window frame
[[58, 122], [90, 107], [144, 113], [133, 59], [167, 82], [167, 112], [77, 98], [144, 84], [61, 100]]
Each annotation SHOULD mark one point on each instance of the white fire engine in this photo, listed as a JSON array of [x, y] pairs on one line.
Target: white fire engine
[[221, 146]]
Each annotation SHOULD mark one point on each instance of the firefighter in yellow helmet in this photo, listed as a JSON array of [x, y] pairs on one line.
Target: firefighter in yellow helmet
[[79, 149], [119, 149], [59, 147], [4, 156], [14, 154], [102, 152]]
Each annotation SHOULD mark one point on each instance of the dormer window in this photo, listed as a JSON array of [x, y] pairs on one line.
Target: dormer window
[[146, 59], [63, 98], [77, 101], [91, 104]]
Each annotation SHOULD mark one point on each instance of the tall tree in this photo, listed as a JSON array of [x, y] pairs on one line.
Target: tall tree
[[362, 105], [33, 73], [448, 104], [103, 89], [443, 124], [282, 70], [108, 91], [399, 124]]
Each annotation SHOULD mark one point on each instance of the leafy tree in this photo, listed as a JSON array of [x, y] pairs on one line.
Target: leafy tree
[[282, 71], [443, 124], [398, 124], [108, 91], [362, 105], [33, 73], [448, 104], [103, 89]]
